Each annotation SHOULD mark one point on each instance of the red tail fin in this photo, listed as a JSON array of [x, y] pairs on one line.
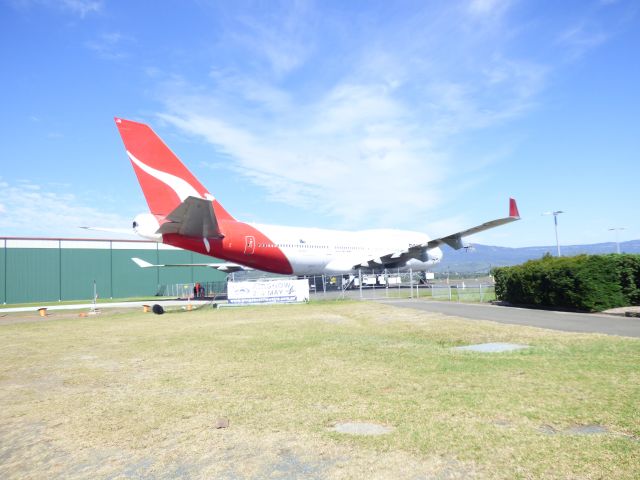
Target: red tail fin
[[164, 180]]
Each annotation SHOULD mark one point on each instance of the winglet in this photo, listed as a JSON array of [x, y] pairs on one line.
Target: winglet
[[513, 208]]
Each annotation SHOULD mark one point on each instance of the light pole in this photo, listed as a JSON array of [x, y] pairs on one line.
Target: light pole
[[617, 229], [555, 222]]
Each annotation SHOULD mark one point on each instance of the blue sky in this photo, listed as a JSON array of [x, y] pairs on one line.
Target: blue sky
[[417, 115]]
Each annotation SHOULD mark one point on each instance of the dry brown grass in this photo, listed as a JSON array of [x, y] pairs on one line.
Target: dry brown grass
[[133, 395]]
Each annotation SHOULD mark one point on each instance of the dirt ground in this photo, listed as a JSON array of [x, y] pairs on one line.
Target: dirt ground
[[229, 454], [34, 445], [623, 310], [125, 394], [31, 317]]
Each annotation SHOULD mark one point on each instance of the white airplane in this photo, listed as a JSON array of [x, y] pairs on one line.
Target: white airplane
[[184, 214]]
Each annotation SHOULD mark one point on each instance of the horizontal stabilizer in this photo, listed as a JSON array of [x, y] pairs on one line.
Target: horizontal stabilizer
[[222, 266], [194, 217]]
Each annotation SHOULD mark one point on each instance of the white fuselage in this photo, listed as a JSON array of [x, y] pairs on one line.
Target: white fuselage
[[320, 251], [302, 251]]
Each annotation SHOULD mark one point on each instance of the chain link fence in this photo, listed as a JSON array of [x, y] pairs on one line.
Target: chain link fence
[[365, 286], [209, 290], [400, 285]]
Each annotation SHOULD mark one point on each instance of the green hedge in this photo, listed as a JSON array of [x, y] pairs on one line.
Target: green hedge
[[586, 282]]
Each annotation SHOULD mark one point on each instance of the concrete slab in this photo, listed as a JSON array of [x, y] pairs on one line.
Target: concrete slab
[[586, 430], [360, 428], [491, 347], [576, 430]]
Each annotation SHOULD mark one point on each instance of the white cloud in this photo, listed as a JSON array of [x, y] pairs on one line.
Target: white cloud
[[344, 153], [280, 39], [109, 45], [582, 37], [81, 8], [372, 142], [31, 209], [595, 25], [485, 7]]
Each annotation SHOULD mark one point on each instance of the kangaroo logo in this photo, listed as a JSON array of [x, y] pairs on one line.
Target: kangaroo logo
[[179, 185]]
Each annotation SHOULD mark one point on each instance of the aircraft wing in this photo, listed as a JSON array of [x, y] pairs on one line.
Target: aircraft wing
[[194, 217], [419, 252], [222, 266]]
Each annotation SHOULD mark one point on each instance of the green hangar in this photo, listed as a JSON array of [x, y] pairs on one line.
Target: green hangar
[[58, 269]]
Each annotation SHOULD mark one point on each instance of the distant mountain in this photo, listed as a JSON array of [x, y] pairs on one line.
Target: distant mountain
[[481, 258]]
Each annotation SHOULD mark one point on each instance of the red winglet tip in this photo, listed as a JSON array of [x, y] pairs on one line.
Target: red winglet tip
[[513, 208]]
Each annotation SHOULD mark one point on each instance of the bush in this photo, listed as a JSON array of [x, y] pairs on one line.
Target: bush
[[585, 282]]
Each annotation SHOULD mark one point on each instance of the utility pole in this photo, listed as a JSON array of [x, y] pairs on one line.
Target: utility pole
[[617, 230], [555, 222]]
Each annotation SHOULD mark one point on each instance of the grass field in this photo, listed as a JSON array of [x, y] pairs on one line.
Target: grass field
[[134, 395]]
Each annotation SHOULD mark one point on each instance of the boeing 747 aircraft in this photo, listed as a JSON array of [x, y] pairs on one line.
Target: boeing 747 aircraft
[[184, 214]]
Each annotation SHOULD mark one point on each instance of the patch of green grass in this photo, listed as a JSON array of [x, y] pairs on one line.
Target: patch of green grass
[[138, 380], [469, 294]]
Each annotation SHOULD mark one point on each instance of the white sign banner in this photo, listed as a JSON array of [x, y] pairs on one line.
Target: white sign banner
[[268, 291]]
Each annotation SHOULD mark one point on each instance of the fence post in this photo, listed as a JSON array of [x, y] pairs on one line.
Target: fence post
[[5, 271], [59, 270], [386, 283], [410, 282]]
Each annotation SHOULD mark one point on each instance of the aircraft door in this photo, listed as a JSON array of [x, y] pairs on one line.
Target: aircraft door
[[249, 244]]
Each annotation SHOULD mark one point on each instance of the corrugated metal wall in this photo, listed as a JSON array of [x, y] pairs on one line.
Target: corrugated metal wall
[[32, 272], [80, 267], [128, 277], [36, 270], [3, 271]]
